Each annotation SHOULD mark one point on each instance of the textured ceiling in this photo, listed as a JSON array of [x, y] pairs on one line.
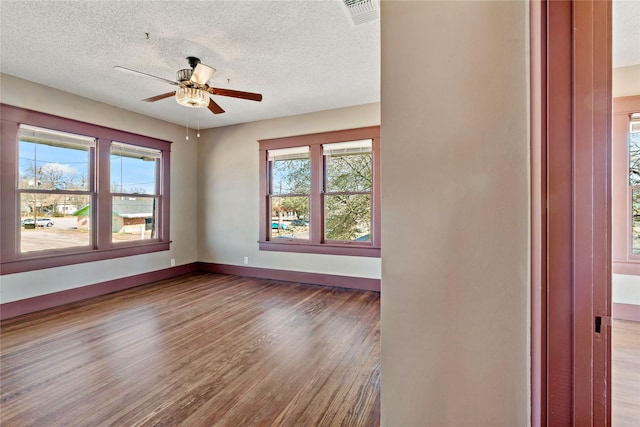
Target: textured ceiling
[[626, 33], [302, 56]]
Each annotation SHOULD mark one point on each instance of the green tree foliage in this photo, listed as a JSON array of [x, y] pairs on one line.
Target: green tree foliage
[[634, 158], [49, 176], [349, 183], [634, 181], [292, 178], [348, 216]]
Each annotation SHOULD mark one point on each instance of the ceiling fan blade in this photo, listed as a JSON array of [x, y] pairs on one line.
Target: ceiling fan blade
[[202, 73], [159, 97], [215, 108], [236, 94], [140, 73]]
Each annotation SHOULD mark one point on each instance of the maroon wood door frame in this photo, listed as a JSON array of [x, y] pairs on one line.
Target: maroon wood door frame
[[571, 212]]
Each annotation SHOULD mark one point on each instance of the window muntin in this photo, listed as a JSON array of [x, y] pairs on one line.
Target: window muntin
[[342, 199], [134, 172], [51, 160], [289, 189], [134, 218], [55, 180], [46, 232], [290, 171], [87, 154], [348, 177], [134, 169], [634, 181]]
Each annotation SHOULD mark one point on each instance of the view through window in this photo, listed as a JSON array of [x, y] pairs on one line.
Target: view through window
[[634, 180], [134, 184], [54, 182], [348, 190], [321, 193], [77, 192], [290, 187]]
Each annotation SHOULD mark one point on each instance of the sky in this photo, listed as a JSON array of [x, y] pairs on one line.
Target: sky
[[127, 173]]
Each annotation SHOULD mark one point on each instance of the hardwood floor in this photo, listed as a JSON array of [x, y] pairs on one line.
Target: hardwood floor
[[625, 373], [200, 350]]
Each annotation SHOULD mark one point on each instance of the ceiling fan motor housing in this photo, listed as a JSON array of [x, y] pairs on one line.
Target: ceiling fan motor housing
[[184, 76]]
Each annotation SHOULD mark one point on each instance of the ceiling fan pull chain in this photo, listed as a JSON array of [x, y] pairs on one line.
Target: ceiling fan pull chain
[[198, 121], [187, 138]]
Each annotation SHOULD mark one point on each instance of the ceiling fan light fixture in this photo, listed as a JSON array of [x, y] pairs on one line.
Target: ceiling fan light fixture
[[192, 97]]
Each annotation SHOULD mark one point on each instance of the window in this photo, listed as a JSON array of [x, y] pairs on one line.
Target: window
[[634, 181], [320, 193], [74, 192], [134, 191], [53, 183]]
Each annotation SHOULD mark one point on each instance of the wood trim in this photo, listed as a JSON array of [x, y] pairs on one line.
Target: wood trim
[[9, 203], [538, 158], [621, 193], [376, 214], [631, 268], [591, 242], [316, 243], [11, 260], [558, 198], [41, 302], [361, 283], [626, 104], [321, 138], [325, 248], [63, 124], [626, 311], [70, 257], [571, 252]]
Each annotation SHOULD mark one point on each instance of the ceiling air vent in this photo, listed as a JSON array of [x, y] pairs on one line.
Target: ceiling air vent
[[362, 11]]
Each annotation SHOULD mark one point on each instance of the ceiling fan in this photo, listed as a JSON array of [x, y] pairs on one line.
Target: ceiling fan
[[193, 90]]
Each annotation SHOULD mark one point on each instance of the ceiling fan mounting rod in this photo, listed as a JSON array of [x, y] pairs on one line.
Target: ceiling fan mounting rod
[[193, 61]]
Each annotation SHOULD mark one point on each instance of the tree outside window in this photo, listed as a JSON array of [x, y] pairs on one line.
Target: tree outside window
[[634, 180], [320, 193], [74, 194]]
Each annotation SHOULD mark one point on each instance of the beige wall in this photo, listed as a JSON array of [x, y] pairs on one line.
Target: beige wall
[[455, 261], [29, 95], [228, 193], [626, 81]]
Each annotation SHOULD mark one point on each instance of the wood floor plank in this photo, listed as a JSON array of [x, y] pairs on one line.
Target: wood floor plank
[[625, 373], [203, 349]]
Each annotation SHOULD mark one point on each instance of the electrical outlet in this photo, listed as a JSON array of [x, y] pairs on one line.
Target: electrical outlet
[[173, 262], [246, 260]]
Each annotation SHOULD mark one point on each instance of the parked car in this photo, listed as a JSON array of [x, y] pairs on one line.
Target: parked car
[[39, 222], [283, 226], [300, 222]]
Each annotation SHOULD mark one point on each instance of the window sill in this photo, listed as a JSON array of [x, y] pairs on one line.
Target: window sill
[[626, 266], [326, 249], [71, 257]]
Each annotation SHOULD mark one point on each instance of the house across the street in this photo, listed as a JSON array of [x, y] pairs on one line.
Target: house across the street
[[130, 215]]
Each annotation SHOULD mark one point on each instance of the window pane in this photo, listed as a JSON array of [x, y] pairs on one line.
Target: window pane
[[349, 166], [133, 169], [634, 158], [133, 218], [53, 221], [348, 217], [291, 171], [290, 217], [635, 233], [51, 160]]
